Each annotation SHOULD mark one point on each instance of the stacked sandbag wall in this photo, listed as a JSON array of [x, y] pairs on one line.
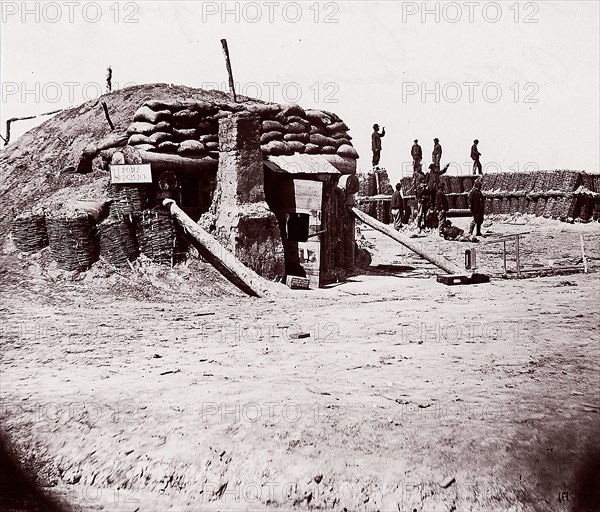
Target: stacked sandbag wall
[[559, 194], [190, 129]]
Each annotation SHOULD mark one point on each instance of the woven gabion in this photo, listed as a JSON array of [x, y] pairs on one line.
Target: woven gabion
[[72, 239], [29, 231], [118, 242]]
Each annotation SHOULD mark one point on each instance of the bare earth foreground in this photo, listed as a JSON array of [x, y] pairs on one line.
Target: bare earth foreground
[[387, 392]]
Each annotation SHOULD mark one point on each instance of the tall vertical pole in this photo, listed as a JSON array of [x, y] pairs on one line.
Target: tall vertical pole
[[228, 65], [585, 265]]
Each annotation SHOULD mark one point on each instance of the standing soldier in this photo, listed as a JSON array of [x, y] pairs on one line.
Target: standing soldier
[[422, 195], [476, 204], [436, 156], [441, 203], [108, 79], [397, 207], [433, 180], [417, 155], [376, 143], [475, 154]]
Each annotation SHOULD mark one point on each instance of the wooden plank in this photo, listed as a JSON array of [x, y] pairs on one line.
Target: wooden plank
[[308, 194]]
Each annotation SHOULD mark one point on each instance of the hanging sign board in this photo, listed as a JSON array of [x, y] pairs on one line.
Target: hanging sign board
[[132, 173]]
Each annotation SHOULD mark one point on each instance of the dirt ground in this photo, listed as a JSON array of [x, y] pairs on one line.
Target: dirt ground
[[389, 392]]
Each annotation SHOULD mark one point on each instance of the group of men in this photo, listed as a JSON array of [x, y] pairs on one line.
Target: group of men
[[417, 153], [436, 156], [429, 191], [431, 198]]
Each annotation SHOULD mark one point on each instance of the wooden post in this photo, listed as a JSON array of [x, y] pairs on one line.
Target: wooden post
[[585, 265], [228, 65], [105, 108], [504, 253], [518, 255]]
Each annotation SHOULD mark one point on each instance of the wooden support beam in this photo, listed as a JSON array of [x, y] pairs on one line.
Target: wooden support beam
[[228, 65], [218, 256], [440, 262], [105, 108], [175, 162]]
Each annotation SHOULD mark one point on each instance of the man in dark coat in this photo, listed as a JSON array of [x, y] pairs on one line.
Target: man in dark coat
[[475, 154], [376, 143], [433, 180], [397, 207], [417, 155], [441, 204], [422, 196], [436, 156], [476, 204]]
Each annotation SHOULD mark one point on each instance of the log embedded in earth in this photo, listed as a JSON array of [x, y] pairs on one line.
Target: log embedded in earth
[[219, 257], [174, 162], [441, 262]]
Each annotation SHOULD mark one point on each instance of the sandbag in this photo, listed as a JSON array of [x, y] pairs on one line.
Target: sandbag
[[316, 129], [147, 128], [348, 151], [295, 128], [209, 137], [168, 147], [299, 137], [293, 110], [220, 115], [280, 117], [211, 146], [342, 142], [131, 155], [337, 127], [328, 150], [138, 138], [296, 146], [200, 106], [267, 137], [185, 133], [322, 140], [264, 109], [277, 147], [341, 135], [146, 114], [317, 117], [312, 149], [158, 137], [191, 147], [185, 117], [146, 147], [269, 126], [297, 119]]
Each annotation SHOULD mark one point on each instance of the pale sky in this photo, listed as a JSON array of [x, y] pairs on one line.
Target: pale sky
[[522, 77]]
